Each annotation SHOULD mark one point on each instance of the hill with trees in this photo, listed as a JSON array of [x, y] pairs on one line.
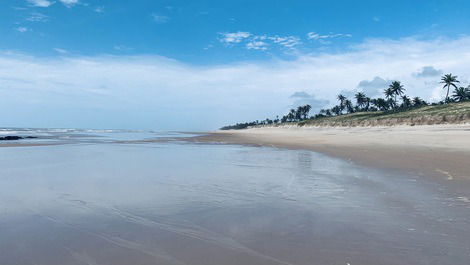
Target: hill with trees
[[393, 109]]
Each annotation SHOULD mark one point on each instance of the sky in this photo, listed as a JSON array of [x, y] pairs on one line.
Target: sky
[[199, 65]]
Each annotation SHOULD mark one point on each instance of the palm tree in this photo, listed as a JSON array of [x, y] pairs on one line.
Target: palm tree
[[336, 110], [368, 100], [349, 106], [417, 101], [341, 99], [406, 102], [390, 95], [361, 99], [306, 109], [291, 115], [397, 88], [380, 103], [461, 94], [449, 80], [299, 112]]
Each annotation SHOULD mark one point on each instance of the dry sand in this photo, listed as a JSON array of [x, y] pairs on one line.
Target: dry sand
[[441, 151]]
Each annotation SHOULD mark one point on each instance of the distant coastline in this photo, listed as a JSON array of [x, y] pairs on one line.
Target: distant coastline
[[395, 109], [454, 113]]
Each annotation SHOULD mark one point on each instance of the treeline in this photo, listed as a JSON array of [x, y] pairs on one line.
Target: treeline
[[394, 99]]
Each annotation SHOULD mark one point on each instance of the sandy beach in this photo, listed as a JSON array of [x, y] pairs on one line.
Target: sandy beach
[[440, 151], [120, 198]]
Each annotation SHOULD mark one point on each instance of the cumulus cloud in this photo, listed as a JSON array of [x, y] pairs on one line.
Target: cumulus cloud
[[373, 87], [428, 71], [69, 3], [302, 98], [161, 93], [40, 3], [47, 3]]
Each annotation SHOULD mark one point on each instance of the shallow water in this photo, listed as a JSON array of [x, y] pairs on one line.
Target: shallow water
[[107, 202]]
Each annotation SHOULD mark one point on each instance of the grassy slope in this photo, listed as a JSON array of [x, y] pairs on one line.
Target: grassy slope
[[439, 114]]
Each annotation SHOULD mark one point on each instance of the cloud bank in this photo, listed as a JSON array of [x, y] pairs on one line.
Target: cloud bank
[[160, 93]]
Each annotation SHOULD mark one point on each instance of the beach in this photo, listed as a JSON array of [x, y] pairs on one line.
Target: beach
[[439, 151], [250, 197]]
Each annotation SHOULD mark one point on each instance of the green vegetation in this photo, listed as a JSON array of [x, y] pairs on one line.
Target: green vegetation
[[395, 108]]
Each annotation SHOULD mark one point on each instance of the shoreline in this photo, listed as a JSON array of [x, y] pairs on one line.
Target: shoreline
[[439, 151]]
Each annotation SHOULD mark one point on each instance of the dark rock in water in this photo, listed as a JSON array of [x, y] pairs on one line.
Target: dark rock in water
[[13, 138], [10, 138]]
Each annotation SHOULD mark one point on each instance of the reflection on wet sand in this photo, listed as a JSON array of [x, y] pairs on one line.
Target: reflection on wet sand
[[174, 203]]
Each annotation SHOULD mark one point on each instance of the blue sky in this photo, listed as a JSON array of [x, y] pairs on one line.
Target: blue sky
[[134, 63]]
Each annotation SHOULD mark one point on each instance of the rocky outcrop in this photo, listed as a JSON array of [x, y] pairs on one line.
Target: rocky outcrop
[[14, 138]]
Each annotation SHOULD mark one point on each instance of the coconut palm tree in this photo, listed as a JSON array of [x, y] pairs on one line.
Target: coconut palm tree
[[291, 115], [361, 99], [306, 109], [341, 99], [461, 94], [397, 88], [368, 100], [449, 80], [380, 103], [390, 96], [406, 102], [417, 101], [337, 110], [349, 106]]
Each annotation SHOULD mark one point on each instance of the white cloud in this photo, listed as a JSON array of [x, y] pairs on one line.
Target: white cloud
[[428, 71], [37, 17], [160, 19], [302, 98], [47, 3], [69, 3], [257, 45], [288, 42], [122, 48], [151, 91], [61, 51], [22, 29], [99, 9], [373, 87], [259, 42], [234, 37], [40, 3], [316, 36]]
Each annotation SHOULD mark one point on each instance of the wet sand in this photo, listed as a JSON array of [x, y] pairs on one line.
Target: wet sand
[[176, 203], [440, 151]]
